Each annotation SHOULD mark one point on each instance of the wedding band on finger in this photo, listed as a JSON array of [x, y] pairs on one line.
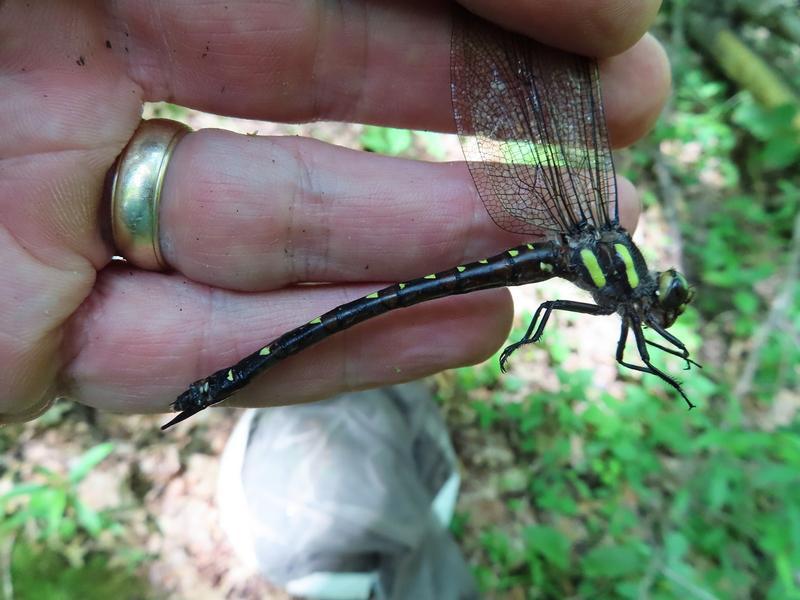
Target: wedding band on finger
[[136, 192]]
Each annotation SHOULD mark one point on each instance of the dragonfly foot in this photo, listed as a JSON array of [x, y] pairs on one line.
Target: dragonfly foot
[[690, 362], [506, 354], [678, 387]]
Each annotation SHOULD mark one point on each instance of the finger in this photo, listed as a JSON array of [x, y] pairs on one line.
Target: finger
[[141, 338], [635, 107], [251, 213], [371, 62], [591, 27], [64, 118]]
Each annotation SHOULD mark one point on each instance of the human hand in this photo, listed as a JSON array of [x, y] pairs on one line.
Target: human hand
[[245, 219]]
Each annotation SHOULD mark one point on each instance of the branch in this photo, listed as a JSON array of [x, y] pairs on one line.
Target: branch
[[776, 315], [742, 65]]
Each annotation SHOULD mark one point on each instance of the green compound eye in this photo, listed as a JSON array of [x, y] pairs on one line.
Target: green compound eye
[[674, 294]]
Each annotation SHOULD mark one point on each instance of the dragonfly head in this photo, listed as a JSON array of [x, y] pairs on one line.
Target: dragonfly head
[[673, 296]]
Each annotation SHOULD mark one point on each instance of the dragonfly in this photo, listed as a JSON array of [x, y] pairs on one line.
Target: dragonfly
[[532, 127]]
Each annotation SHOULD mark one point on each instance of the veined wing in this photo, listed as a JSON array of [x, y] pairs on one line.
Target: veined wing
[[531, 123]]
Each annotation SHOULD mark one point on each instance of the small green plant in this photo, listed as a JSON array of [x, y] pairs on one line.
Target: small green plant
[[386, 140], [40, 573], [636, 498], [51, 508], [54, 546], [396, 142]]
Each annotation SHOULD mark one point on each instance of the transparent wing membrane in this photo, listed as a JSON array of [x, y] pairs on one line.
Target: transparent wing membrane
[[530, 120]]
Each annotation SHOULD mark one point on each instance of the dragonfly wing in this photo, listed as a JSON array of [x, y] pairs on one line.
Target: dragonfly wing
[[531, 123]]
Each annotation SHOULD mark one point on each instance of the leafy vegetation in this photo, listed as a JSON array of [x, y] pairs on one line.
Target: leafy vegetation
[[51, 508], [42, 573], [54, 545], [401, 142], [632, 498], [629, 495]]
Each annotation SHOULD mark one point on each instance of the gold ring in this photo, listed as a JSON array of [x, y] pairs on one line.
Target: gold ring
[[136, 192], [135, 195]]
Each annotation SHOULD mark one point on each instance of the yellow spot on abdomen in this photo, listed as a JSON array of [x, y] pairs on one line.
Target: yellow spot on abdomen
[[431, 276], [591, 264], [372, 296], [316, 321], [484, 261], [530, 246], [630, 268], [230, 375], [546, 267], [401, 285], [513, 253], [461, 269], [264, 351]]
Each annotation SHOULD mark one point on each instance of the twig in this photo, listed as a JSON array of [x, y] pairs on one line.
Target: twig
[[654, 566], [6, 582], [691, 588], [669, 194], [776, 315]]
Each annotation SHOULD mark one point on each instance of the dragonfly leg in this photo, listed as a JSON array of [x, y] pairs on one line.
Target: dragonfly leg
[[682, 355], [540, 318], [684, 352], [641, 345]]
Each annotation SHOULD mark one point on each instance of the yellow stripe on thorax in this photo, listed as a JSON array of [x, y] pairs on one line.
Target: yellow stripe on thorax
[[591, 264], [630, 268]]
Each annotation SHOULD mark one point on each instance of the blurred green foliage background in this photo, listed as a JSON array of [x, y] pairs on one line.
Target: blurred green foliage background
[[631, 496]]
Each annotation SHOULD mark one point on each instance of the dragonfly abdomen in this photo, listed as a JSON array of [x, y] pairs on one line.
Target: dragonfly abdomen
[[524, 264]]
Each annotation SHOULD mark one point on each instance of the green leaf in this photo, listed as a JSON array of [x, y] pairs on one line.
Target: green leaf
[[719, 489], [764, 123], [780, 151], [676, 546], [46, 473], [486, 413], [513, 480], [89, 460], [89, 519], [386, 140], [785, 570], [15, 521], [67, 529], [46, 574], [49, 506], [746, 301], [23, 489], [613, 561], [512, 383], [549, 543], [770, 477]]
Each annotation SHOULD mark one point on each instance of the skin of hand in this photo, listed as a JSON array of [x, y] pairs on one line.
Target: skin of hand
[[246, 220]]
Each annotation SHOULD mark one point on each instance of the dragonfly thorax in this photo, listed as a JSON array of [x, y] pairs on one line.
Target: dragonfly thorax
[[608, 264]]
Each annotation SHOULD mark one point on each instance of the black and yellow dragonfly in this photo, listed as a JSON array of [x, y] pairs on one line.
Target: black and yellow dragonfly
[[531, 123]]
